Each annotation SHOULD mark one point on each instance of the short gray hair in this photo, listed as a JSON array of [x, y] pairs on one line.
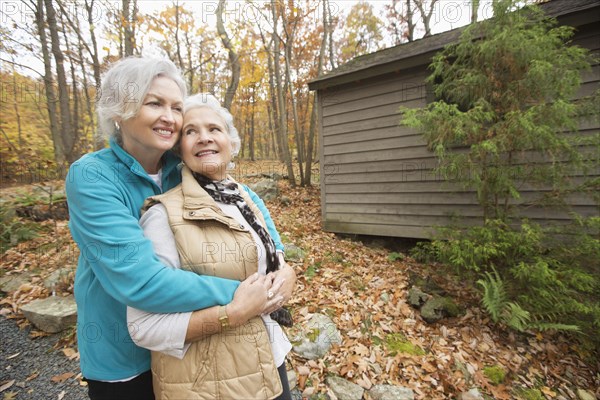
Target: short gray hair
[[124, 87], [208, 100]]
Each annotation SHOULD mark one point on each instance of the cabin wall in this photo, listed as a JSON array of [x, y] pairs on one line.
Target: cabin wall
[[378, 177]]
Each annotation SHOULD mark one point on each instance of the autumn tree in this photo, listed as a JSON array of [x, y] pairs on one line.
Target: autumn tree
[[406, 17], [276, 11], [363, 31], [234, 61]]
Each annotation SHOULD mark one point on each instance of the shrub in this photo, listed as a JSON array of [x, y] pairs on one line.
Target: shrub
[[532, 278]]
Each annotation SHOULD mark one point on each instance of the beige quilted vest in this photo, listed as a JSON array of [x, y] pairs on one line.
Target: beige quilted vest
[[235, 364]]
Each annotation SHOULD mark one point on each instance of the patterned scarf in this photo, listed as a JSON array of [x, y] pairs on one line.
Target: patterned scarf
[[227, 192]]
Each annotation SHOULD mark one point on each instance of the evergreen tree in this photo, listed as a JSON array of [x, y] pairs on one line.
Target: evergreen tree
[[505, 95]]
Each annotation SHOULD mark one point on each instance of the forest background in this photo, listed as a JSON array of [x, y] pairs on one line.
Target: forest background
[[255, 56]]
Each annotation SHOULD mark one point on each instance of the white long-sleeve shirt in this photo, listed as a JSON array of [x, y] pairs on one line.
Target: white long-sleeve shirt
[[166, 332]]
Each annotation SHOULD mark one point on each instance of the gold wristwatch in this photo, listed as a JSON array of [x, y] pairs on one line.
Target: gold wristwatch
[[223, 318]]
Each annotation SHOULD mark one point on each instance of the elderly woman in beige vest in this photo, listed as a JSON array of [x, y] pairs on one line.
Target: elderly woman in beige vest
[[210, 224]]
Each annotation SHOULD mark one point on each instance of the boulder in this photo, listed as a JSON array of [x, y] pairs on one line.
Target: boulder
[[319, 334], [294, 253], [437, 308], [472, 394], [12, 283], [344, 389], [52, 314], [390, 392], [416, 297], [266, 189]]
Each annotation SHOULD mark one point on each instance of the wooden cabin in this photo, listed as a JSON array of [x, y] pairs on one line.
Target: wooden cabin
[[377, 177]]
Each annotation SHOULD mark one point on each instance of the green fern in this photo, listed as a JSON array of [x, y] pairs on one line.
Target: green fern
[[494, 294], [495, 301]]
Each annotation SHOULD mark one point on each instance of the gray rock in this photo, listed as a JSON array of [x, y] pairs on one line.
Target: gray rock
[[472, 394], [390, 392], [294, 253], [266, 189], [11, 283], [385, 297], [57, 278], [585, 395], [416, 297], [286, 201], [296, 394], [344, 389], [437, 308], [320, 333], [52, 314], [275, 176]]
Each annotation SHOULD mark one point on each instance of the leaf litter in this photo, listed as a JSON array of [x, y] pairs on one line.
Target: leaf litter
[[364, 291]]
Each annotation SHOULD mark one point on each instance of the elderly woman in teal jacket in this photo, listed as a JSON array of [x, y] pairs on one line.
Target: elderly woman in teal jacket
[[209, 224], [140, 108]]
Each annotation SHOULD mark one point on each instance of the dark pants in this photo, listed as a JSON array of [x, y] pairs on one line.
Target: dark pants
[[286, 394], [139, 388]]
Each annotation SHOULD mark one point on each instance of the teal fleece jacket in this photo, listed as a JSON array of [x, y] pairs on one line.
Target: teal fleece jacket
[[117, 265]]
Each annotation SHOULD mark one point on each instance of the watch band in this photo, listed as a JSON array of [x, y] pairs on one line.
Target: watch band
[[223, 318]]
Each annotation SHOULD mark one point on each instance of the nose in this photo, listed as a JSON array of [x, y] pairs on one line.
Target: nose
[[168, 116], [204, 137]]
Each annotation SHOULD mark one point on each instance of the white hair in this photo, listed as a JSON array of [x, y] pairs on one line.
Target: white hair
[[124, 87], [208, 100]]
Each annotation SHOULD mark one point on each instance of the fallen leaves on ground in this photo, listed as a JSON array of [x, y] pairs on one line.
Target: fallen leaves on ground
[[364, 293]]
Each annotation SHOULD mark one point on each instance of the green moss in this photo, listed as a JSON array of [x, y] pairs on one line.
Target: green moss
[[495, 374], [394, 256], [529, 394], [398, 343], [312, 270], [313, 334]]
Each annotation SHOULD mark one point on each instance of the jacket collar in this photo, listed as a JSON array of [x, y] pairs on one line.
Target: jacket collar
[[170, 160]]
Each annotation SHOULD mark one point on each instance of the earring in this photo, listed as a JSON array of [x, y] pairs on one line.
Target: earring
[[117, 126]]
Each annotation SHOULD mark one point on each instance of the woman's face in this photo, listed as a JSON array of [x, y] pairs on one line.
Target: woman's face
[[155, 129], [205, 143]]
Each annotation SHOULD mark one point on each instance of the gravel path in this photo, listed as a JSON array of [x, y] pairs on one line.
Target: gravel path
[[32, 363]]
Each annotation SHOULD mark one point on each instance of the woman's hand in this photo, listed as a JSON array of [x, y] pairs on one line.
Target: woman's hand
[[284, 283], [254, 295]]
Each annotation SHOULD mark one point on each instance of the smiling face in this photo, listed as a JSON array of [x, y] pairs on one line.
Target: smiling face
[[205, 143], [155, 128]]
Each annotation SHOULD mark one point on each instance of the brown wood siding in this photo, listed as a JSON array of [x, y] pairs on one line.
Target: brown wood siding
[[378, 177]]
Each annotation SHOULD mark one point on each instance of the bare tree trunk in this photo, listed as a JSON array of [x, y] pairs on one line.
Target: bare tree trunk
[[73, 154], [251, 130], [234, 60], [98, 140], [177, 44], [283, 132], [16, 108], [313, 114], [191, 70], [66, 126], [88, 101], [410, 21], [474, 10], [272, 110], [326, 5], [426, 16], [292, 92], [128, 33]]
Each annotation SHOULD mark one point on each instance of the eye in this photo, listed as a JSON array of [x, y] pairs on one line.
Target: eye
[[189, 132], [216, 129], [153, 103], [179, 109]]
